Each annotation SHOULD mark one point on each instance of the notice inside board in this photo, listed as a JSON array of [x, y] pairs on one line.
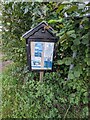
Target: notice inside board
[[41, 55]]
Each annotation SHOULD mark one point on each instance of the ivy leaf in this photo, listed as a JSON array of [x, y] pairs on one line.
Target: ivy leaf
[[60, 33], [60, 8], [73, 35], [60, 62], [71, 32], [76, 42], [73, 48], [73, 8], [77, 73], [68, 60], [71, 75], [87, 60], [85, 39]]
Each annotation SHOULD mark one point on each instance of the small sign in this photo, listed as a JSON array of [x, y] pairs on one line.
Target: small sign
[[40, 42], [41, 55]]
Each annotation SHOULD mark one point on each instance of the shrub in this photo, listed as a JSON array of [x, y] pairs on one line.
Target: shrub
[[58, 96], [52, 98]]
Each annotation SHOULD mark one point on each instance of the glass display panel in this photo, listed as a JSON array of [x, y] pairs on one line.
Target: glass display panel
[[41, 55]]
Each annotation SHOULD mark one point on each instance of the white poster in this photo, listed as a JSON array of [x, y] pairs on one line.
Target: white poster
[[48, 55]]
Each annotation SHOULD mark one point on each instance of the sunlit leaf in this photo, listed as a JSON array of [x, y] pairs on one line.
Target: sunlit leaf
[[60, 8], [55, 21], [72, 8]]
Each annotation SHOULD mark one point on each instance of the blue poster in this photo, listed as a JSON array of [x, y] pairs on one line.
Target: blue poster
[[38, 49]]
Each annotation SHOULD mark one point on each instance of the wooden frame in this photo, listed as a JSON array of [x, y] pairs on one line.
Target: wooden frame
[[29, 53]]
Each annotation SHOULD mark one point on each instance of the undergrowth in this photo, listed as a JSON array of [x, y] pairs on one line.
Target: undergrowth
[[52, 98]]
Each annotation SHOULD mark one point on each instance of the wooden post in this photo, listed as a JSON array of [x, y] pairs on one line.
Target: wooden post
[[41, 76]]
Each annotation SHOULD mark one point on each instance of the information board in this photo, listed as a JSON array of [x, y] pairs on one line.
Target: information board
[[41, 55]]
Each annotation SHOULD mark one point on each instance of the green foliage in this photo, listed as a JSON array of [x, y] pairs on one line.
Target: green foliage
[[57, 97], [54, 98]]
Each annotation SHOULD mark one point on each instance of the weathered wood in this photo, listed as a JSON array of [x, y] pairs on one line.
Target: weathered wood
[[41, 75]]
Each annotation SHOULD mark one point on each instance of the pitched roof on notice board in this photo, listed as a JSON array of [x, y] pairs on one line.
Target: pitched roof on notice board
[[36, 28]]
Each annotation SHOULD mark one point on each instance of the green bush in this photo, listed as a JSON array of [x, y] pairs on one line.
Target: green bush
[[52, 98], [57, 97]]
